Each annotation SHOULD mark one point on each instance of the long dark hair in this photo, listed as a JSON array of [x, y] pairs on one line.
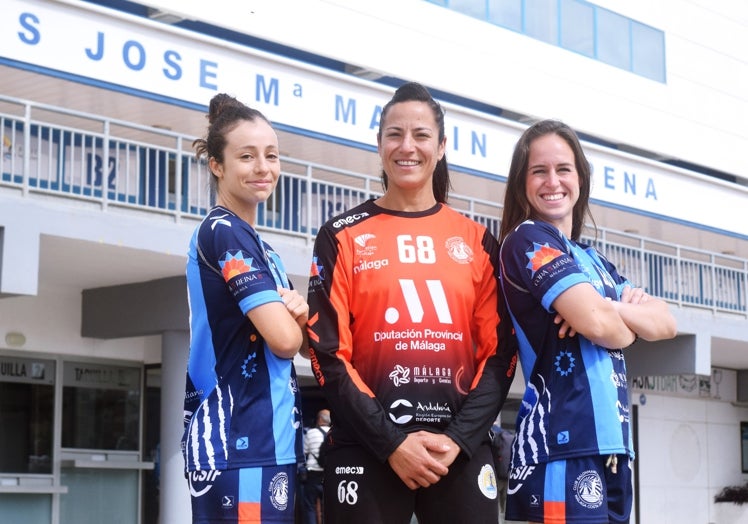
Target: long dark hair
[[517, 208], [415, 92], [224, 114]]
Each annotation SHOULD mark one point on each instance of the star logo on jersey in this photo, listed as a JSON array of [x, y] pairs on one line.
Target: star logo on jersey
[[235, 264], [564, 363], [249, 366], [541, 255]]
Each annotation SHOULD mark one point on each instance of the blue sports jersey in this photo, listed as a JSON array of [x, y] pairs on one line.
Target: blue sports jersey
[[242, 406], [576, 398]]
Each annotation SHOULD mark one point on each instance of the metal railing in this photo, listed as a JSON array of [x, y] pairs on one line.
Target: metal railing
[[60, 152], [681, 275]]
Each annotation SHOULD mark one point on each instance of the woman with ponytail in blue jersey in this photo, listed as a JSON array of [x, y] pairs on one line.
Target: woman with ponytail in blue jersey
[[242, 408]]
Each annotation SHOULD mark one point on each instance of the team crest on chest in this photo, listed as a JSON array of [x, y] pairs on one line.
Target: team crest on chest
[[458, 250]]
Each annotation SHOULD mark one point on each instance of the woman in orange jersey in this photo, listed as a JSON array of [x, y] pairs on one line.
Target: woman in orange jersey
[[405, 339]]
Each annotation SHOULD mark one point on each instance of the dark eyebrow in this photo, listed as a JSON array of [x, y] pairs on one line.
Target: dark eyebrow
[[252, 147], [416, 129]]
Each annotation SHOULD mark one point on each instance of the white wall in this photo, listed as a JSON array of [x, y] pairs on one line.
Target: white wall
[[696, 116], [51, 323], [689, 449]]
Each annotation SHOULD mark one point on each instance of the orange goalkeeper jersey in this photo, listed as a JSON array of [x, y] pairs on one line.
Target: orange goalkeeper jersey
[[404, 326]]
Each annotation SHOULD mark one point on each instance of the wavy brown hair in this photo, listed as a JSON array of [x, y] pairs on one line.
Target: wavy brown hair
[[517, 208]]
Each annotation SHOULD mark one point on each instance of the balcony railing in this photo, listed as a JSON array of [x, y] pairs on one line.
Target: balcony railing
[[55, 151]]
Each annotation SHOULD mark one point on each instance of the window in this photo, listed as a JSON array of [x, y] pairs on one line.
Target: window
[[26, 415], [541, 20], [469, 7], [613, 39], [647, 51], [578, 26], [100, 407], [506, 13]]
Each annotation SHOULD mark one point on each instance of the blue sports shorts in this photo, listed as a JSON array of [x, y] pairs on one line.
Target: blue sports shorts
[[589, 490], [243, 496]]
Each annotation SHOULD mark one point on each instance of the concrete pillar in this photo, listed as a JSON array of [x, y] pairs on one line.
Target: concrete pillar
[[175, 497]]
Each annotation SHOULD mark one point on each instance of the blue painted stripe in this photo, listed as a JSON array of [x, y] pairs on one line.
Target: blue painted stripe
[[555, 481], [250, 485]]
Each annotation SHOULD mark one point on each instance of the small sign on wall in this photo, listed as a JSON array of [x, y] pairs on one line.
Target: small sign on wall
[[720, 385]]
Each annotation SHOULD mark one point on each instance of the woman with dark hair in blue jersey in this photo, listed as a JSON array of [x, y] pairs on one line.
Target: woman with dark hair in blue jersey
[[242, 408], [573, 315]]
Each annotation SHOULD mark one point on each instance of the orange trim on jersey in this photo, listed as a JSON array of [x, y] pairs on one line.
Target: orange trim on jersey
[[249, 513], [310, 328], [554, 512]]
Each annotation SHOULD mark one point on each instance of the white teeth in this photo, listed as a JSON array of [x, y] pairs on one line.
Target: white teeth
[[407, 163], [556, 196]]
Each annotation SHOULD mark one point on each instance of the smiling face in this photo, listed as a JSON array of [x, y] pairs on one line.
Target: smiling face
[[552, 181], [250, 169], [409, 148]]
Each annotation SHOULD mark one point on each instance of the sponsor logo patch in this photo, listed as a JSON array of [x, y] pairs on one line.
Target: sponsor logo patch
[[278, 491], [588, 489], [487, 482]]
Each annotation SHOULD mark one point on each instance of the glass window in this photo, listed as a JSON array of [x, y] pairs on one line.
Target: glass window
[[26, 508], [613, 39], [98, 495], [579, 26], [541, 20], [100, 406], [506, 13], [474, 8], [577, 22], [26, 415], [648, 51]]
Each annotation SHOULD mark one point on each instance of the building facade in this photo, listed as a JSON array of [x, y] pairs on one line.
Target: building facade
[[100, 192]]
